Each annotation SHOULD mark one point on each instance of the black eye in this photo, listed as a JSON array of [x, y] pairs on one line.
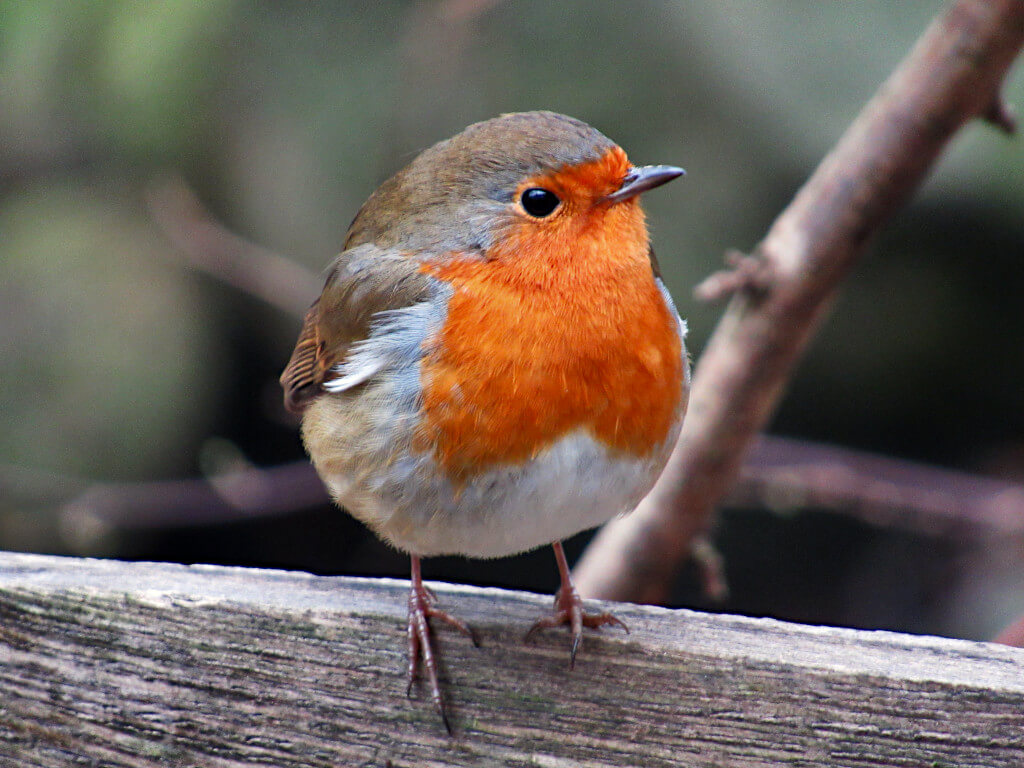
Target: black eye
[[539, 202]]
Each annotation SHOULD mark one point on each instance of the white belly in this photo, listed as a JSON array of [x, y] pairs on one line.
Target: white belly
[[574, 485]]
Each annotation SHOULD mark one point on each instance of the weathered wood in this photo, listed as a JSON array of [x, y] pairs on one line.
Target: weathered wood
[[105, 663]]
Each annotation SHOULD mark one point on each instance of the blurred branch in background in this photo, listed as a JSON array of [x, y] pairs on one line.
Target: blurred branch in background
[[953, 75], [84, 511], [210, 247], [780, 474], [1012, 635], [783, 474], [237, 494]]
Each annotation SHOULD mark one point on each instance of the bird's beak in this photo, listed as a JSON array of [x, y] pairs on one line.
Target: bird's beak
[[643, 178]]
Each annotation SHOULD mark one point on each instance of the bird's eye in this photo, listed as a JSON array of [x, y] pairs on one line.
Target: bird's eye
[[539, 202]]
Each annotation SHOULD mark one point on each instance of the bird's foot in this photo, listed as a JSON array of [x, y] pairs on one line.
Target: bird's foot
[[421, 610], [569, 610]]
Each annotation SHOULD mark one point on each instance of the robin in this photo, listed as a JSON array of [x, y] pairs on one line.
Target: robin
[[494, 363]]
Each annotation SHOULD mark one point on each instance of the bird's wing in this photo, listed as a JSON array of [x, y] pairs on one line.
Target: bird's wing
[[362, 283]]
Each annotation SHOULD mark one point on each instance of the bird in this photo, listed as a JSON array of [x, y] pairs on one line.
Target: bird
[[495, 363]]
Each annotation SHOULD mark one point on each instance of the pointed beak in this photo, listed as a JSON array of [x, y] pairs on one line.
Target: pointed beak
[[642, 179]]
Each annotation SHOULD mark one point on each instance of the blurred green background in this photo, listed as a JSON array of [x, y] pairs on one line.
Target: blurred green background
[[122, 362]]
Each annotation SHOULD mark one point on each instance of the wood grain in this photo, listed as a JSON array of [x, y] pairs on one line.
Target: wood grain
[[105, 663]]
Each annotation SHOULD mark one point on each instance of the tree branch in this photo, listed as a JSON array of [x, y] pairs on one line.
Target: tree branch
[[779, 473], [207, 245], [1012, 635], [787, 474], [244, 494], [952, 75]]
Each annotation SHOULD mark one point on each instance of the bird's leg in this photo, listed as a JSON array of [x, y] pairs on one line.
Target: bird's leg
[[420, 611], [569, 609]]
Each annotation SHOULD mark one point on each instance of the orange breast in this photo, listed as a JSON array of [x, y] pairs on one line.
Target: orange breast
[[562, 328]]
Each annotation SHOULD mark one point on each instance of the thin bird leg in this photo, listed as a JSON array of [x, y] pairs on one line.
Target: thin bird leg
[[420, 611], [569, 610]]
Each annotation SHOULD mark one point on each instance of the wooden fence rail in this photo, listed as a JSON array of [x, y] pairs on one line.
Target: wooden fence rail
[[106, 663]]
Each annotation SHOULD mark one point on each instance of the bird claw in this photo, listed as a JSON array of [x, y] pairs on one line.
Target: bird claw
[[421, 611], [569, 611]]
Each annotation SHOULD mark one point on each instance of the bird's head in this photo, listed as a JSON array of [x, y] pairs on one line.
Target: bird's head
[[525, 180]]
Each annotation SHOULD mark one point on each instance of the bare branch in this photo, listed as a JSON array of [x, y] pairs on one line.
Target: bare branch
[[1001, 116], [747, 274], [208, 246], [242, 494], [712, 570], [781, 473], [952, 75], [1012, 635]]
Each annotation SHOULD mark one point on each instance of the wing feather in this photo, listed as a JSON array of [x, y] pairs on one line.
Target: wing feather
[[364, 285]]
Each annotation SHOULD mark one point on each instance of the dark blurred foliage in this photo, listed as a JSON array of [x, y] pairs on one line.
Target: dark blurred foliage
[[120, 363]]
